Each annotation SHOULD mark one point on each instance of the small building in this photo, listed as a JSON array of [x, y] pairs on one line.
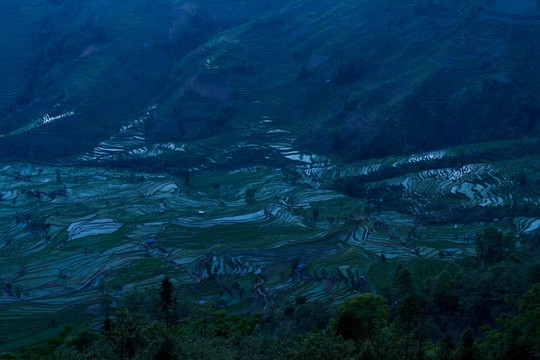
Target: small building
[[301, 268], [150, 241]]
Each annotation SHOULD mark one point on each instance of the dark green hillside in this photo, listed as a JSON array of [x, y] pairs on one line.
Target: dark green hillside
[[104, 62], [356, 79]]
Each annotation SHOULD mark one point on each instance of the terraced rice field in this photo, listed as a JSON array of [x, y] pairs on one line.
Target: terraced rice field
[[72, 235], [75, 237]]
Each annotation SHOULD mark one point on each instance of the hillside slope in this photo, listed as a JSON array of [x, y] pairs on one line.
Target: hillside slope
[[357, 79]]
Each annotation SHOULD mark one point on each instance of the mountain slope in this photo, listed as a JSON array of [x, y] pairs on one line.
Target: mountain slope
[[354, 79]]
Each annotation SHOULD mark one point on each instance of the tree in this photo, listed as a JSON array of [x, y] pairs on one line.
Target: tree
[[445, 348], [315, 212], [168, 303], [404, 282], [466, 349], [312, 315], [362, 317], [444, 291], [127, 335], [83, 339], [107, 324], [518, 335], [294, 264], [164, 343], [410, 317], [250, 195], [493, 246], [318, 345]]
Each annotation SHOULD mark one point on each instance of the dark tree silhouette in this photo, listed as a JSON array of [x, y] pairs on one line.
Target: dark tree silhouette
[[168, 303]]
